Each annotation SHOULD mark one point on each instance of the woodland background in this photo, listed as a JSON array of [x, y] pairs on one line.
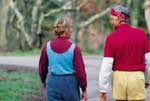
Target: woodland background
[[27, 24]]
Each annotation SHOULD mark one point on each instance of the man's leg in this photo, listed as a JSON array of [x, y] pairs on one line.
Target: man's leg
[[130, 100], [137, 100], [121, 100], [136, 86], [119, 86]]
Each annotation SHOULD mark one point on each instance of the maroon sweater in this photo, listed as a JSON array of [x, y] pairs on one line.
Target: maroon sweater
[[127, 45], [60, 45]]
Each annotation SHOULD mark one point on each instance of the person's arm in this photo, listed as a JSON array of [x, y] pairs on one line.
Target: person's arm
[[147, 63], [80, 71], [147, 69], [43, 65], [105, 74], [105, 77]]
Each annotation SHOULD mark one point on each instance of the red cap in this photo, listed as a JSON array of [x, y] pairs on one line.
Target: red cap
[[118, 14]]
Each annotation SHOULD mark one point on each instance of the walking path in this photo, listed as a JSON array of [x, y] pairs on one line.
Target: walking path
[[92, 68]]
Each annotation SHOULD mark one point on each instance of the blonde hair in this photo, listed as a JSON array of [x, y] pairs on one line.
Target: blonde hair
[[61, 24]]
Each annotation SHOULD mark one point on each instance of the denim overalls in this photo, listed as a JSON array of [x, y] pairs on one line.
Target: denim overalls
[[61, 81]]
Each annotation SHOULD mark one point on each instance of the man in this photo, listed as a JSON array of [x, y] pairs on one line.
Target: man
[[126, 60], [61, 63]]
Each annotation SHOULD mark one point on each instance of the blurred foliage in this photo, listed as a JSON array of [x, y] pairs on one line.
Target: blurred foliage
[[33, 52], [101, 26]]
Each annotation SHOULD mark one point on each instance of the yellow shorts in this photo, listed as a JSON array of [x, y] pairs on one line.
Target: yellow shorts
[[128, 85]]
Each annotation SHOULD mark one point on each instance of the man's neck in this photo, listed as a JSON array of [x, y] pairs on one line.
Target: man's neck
[[121, 23]]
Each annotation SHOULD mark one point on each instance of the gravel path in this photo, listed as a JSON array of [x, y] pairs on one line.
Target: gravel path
[[92, 67]]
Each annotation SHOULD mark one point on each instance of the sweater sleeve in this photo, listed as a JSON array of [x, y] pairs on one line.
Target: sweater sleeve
[[147, 61], [80, 68], [105, 73], [108, 49], [147, 69], [43, 65]]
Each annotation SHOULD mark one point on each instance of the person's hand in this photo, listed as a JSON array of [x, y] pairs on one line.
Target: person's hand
[[103, 96], [44, 85], [84, 96], [146, 85]]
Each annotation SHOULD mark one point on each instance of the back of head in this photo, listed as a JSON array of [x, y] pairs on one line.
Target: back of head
[[120, 12], [61, 24]]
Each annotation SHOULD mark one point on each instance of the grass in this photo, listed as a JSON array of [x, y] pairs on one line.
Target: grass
[[32, 52], [96, 52], [17, 85], [36, 52]]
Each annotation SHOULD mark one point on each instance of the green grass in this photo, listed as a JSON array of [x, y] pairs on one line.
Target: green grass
[[33, 52], [18, 85], [96, 52], [36, 52]]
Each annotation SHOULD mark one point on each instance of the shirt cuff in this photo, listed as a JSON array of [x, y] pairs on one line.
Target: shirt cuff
[[83, 89]]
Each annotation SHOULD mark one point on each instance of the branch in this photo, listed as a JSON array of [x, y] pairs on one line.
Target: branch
[[82, 4], [67, 6], [40, 23], [93, 18], [147, 13], [20, 23], [18, 14], [35, 9]]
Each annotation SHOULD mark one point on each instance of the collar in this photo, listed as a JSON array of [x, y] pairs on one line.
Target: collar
[[62, 37], [123, 25]]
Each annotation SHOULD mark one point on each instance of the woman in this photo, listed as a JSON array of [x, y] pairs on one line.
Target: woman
[[62, 64]]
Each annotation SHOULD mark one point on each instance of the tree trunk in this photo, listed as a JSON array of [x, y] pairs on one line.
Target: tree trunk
[[135, 12], [75, 18], [35, 10], [21, 24], [147, 13], [3, 22]]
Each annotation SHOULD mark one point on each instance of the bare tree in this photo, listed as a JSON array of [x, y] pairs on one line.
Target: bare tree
[[3, 21], [28, 26], [20, 22]]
